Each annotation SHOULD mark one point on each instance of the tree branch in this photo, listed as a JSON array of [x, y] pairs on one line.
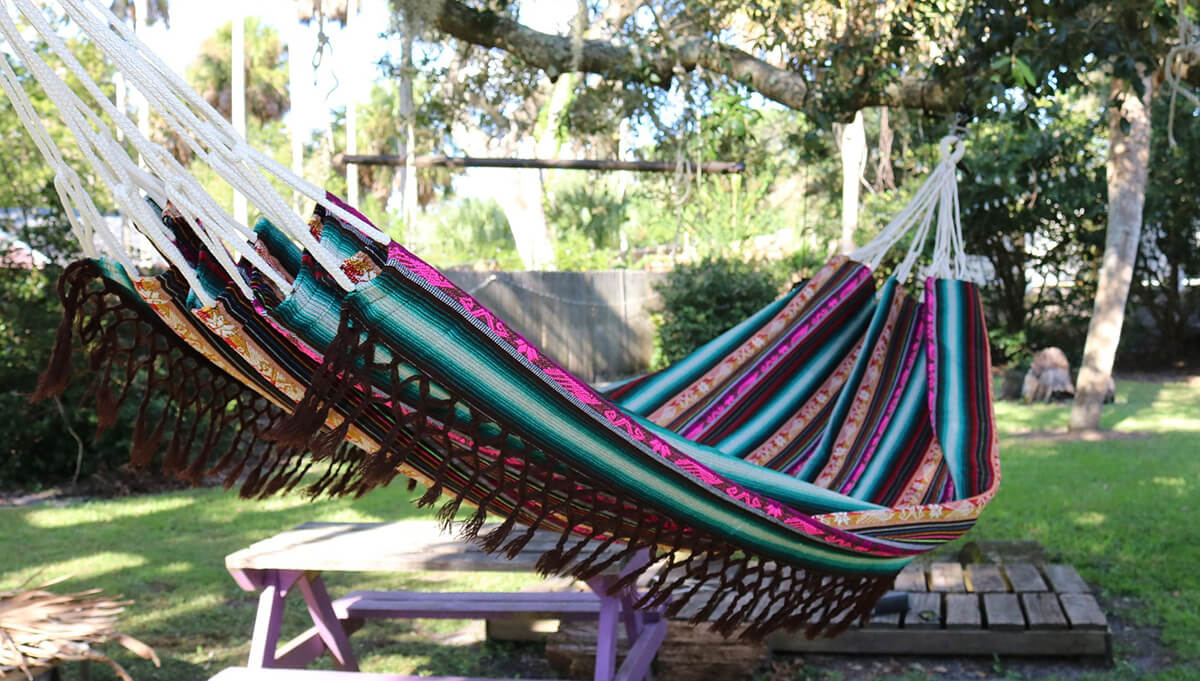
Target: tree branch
[[555, 54]]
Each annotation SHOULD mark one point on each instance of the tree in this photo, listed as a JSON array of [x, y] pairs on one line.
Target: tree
[[925, 55], [266, 72], [1169, 255]]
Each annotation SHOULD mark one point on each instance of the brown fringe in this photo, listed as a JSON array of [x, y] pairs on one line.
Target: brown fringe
[[187, 407], [544, 490]]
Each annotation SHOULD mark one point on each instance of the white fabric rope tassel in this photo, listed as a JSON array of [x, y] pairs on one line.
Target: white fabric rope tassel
[[934, 206]]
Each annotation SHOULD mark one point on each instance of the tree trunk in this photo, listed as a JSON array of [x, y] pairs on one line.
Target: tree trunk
[[351, 117], [521, 199], [408, 174], [1128, 160], [854, 159], [238, 103], [294, 132]]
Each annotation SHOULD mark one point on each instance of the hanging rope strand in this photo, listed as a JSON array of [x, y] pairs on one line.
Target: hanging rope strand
[[936, 198]]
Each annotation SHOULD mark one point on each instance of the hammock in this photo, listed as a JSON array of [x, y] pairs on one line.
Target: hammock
[[784, 472]]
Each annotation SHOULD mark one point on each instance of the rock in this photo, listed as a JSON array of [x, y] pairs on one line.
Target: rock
[[1049, 378], [1011, 383]]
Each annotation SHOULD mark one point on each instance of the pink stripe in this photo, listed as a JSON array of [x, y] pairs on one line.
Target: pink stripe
[[910, 360], [703, 421], [931, 364]]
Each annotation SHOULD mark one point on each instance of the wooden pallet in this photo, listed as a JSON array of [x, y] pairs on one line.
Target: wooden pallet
[[978, 609]]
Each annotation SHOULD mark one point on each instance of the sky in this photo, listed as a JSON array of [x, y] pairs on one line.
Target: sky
[[353, 57]]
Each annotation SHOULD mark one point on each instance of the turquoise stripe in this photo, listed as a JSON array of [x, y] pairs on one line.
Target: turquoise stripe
[[883, 309], [801, 495], [312, 310], [115, 272], [433, 335], [670, 381], [791, 396], [278, 245], [899, 428], [951, 379]]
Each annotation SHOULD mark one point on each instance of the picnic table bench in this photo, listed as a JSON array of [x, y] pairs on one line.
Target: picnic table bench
[[295, 559]]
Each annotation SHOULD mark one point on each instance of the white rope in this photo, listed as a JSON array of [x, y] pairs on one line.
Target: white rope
[[104, 154], [936, 197], [152, 75], [66, 181], [1189, 44], [205, 132], [188, 195]]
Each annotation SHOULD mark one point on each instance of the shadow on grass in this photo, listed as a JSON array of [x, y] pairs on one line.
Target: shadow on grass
[[166, 553]]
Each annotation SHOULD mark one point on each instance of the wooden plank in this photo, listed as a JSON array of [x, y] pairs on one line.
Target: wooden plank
[[947, 577], [924, 611], [891, 621], [959, 642], [1065, 580], [1003, 612], [384, 547], [1083, 612], [912, 578], [1043, 611], [982, 578], [962, 611], [1024, 577]]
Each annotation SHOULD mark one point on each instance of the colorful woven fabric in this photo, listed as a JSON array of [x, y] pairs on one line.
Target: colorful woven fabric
[[792, 462]]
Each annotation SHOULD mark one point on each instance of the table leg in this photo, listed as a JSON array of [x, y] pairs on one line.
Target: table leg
[[634, 619], [606, 629], [327, 623], [275, 584]]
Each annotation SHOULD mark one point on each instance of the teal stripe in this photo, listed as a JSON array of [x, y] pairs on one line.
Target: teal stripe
[[432, 335], [801, 495], [670, 381], [790, 397], [951, 379], [899, 428], [115, 272], [312, 310], [883, 309], [278, 245]]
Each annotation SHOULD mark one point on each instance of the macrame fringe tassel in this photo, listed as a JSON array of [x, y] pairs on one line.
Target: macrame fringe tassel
[[186, 407], [484, 463]]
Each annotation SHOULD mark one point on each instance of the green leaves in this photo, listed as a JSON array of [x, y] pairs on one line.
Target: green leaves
[[1022, 74], [704, 299]]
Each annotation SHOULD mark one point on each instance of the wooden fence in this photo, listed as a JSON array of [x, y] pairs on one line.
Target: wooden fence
[[596, 324]]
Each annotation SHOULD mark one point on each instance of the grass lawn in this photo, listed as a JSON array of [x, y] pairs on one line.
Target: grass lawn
[[1120, 510]]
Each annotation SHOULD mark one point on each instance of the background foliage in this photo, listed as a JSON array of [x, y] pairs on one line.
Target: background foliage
[[704, 299]]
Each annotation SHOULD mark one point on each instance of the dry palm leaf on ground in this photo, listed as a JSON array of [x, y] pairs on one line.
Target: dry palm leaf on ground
[[39, 628]]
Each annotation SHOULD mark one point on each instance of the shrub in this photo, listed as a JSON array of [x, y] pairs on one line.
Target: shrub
[[704, 299], [39, 447]]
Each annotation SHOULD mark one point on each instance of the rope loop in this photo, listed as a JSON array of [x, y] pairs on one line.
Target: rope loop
[[952, 148]]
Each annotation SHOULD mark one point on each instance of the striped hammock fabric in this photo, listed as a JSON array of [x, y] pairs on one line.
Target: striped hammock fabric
[[784, 472]]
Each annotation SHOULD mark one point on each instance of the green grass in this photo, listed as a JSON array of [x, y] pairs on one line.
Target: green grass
[[166, 553], [1122, 511]]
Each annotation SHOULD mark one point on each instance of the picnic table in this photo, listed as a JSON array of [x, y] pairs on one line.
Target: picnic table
[[295, 559]]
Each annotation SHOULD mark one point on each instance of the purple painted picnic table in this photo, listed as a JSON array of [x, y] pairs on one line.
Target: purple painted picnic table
[[296, 558]]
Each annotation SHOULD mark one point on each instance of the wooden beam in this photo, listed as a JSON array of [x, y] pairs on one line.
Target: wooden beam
[[439, 161]]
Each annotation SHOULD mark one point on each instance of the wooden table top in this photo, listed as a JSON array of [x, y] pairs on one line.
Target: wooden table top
[[410, 545]]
